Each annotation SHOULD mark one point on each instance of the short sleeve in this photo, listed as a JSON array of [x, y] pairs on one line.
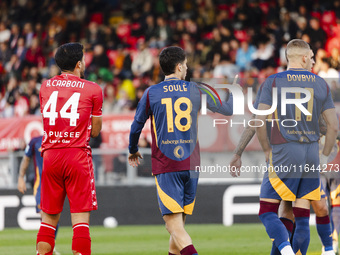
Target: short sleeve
[[266, 92], [328, 103], [257, 99], [97, 100], [29, 149]]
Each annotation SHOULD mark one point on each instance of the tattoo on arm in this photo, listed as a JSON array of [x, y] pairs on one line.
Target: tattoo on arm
[[246, 136]]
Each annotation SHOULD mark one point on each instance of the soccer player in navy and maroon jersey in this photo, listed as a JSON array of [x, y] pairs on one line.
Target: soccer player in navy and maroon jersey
[[173, 107], [71, 108], [294, 145], [320, 207], [33, 150]]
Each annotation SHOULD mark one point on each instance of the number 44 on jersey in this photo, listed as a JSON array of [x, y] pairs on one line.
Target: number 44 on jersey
[[50, 109]]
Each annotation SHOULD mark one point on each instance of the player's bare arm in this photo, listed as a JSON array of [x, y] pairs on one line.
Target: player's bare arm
[[261, 132], [246, 137], [323, 127], [235, 162], [331, 120], [96, 126], [22, 172]]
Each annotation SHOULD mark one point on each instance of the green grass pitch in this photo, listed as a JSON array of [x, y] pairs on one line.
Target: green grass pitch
[[152, 240]]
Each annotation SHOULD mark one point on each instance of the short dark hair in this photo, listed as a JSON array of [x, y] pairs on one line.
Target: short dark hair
[[170, 57], [68, 55]]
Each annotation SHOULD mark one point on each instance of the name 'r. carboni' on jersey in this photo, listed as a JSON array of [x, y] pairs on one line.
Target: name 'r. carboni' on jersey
[[65, 83]]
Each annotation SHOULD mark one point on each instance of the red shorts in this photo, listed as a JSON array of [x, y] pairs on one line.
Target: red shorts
[[67, 171]]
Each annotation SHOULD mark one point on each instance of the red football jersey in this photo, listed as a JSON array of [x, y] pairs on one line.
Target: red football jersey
[[67, 104]]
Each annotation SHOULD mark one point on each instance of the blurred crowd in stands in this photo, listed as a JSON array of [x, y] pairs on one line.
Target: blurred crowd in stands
[[123, 39]]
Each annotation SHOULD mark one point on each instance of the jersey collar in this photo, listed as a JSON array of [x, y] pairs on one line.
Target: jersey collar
[[172, 79], [296, 69], [67, 74]]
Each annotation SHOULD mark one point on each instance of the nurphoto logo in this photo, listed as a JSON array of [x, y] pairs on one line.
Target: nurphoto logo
[[239, 103]]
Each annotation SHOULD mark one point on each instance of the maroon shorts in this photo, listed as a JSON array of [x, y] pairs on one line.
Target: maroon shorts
[[68, 171]]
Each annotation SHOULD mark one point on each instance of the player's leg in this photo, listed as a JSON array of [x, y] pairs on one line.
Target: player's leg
[[324, 194], [286, 216], [323, 225], [277, 185], [176, 195], [190, 188], [81, 193], [175, 226], [173, 250], [308, 190], [37, 195], [51, 201], [335, 215], [46, 234], [81, 241], [276, 230], [336, 227], [301, 209]]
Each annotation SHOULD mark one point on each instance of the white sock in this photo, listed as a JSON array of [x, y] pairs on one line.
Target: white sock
[[328, 253], [335, 246], [287, 250]]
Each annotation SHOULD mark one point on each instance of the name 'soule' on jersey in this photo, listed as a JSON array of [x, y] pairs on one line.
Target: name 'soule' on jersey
[[68, 103], [173, 106], [306, 128]]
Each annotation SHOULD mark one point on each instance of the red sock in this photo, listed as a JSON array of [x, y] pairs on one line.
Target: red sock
[[289, 224], [171, 253], [81, 241], [46, 234], [189, 250], [322, 220]]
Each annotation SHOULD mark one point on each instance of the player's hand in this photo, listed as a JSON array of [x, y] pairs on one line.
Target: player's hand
[[235, 82], [235, 165], [22, 185], [134, 159]]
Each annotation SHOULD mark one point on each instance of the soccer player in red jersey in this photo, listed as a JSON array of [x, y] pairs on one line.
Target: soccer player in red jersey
[[71, 108]]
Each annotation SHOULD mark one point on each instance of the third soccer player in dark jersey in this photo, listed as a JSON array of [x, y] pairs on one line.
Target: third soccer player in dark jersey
[[301, 98]]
